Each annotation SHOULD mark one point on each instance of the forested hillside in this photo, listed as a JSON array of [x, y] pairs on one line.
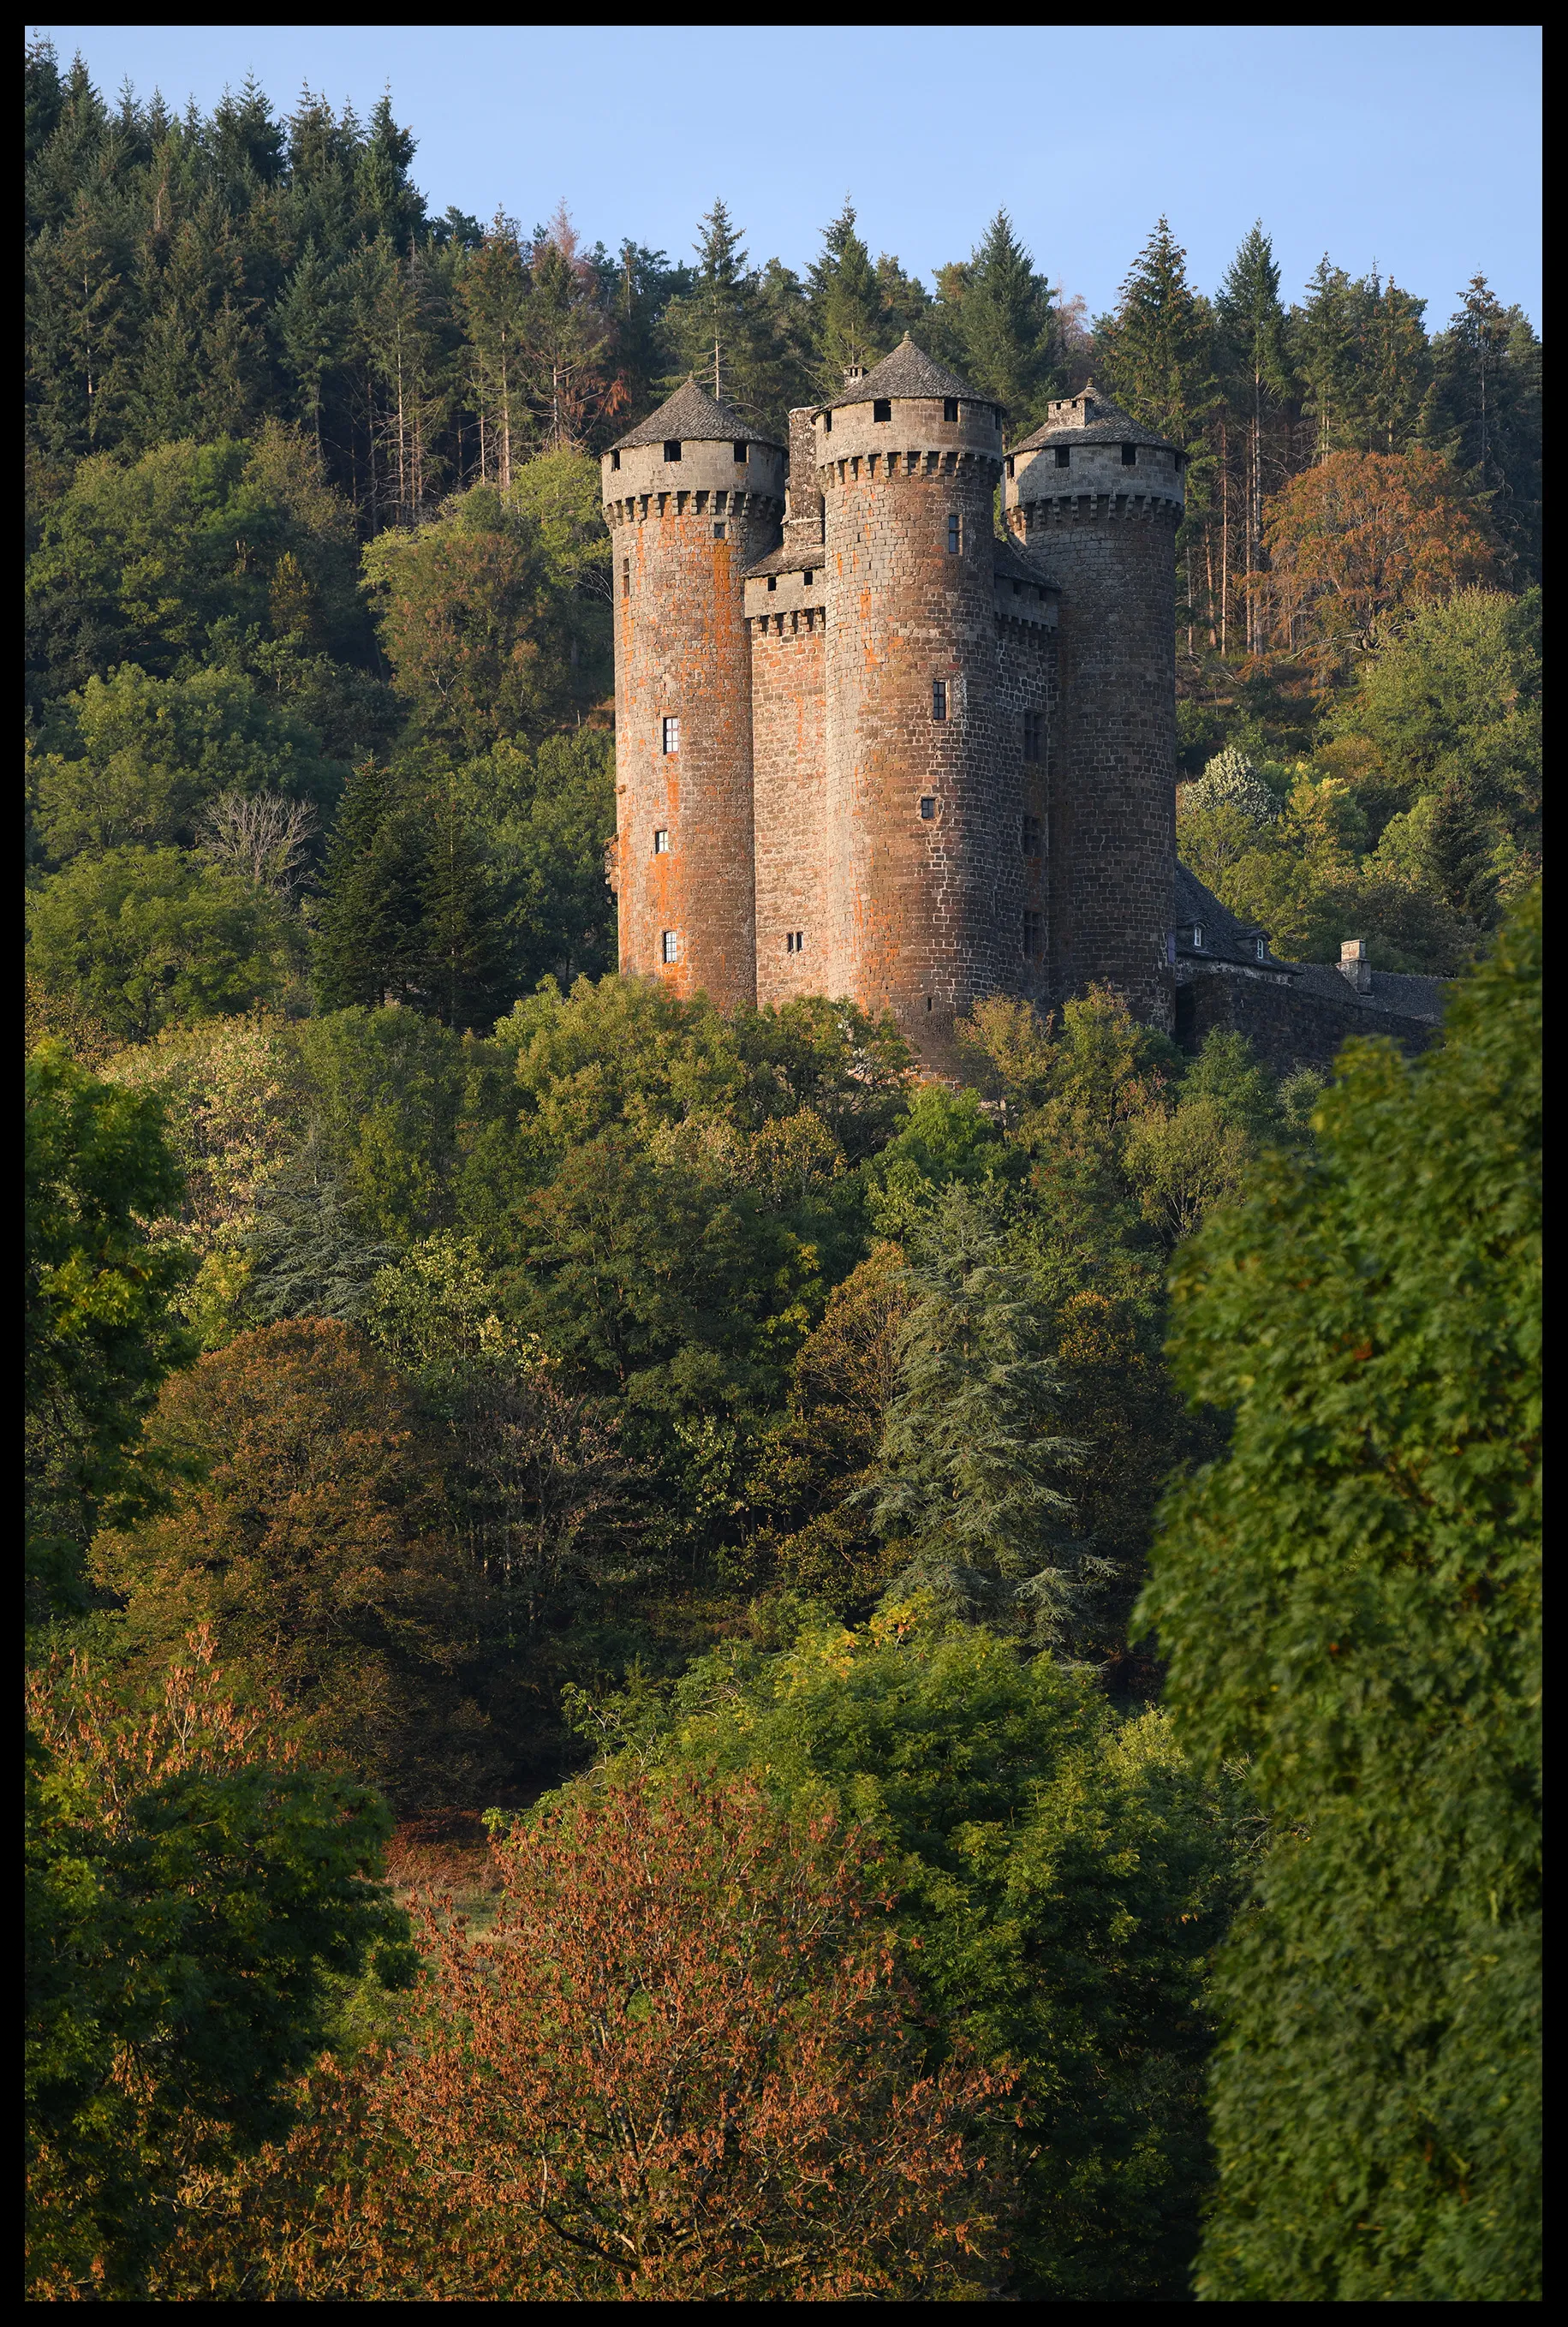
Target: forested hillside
[[464, 1384]]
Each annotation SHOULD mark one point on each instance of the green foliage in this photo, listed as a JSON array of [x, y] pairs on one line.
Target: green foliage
[[98, 1333], [313, 1545], [147, 938], [1063, 1878], [1351, 1599], [195, 1894], [972, 1464], [175, 559], [138, 759]]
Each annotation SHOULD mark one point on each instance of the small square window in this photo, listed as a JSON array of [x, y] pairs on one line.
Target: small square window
[[672, 448], [1129, 456], [949, 407], [882, 407], [929, 809], [809, 578], [939, 698], [1030, 836], [719, 530], [671, 945], [955, 535], [662, 844], [1063, 455], [1031, 937], [615, 460], [671, 734], [794, 940], [1197, 939], [742, 453]]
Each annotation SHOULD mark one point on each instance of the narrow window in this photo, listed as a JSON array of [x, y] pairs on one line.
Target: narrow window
[[1031, 937], [672, 945], [827, 424], [772, 581], [626, 578], [1198, 939], [1032, 734], [928, 1001], [719, 530], [1262, 945], [1176, 461], [662, 844], [799, 941], [882, 407], [615, 460], [809, 578], [950, 412], [1129, 456], [1009, 465], [741, 453], [672, 734], [1063, 455], [929, 808], [955, 535], [1030, 836], [939, 698], [672, 448]]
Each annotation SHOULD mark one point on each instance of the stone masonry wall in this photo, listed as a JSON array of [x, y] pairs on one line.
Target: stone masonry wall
[[682, 536], [1109, 546], [790, 777], [1286, 1027], [924, 912]]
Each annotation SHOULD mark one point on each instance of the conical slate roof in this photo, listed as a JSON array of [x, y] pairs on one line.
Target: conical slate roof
[[1088, 418], [909, 372], [693, 414]]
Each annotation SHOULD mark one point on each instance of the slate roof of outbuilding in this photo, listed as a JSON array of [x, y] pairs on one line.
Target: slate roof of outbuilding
[[1228, 939], [907, 372], [792, 558], [1010, 565], [1110, 425], [692, 415], [1225, 939]]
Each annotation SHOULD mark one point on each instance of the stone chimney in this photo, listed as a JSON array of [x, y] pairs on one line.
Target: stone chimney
[[852, 372], [1354, 964], [802, 500]]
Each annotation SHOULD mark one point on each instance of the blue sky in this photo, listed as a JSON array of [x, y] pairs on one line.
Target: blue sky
[[1418, 147]]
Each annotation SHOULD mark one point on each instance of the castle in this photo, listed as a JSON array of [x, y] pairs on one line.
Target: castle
[[867, 746]]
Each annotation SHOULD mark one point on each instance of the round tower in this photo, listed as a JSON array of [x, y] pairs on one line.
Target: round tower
[[922, 825], [1096, 500], [692, 497]]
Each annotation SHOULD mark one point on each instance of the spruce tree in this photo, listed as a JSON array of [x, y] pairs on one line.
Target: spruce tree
[[367, 924], [1156, 353], [1006, 327], [847, 319], [1253, 349], [460, 948], [723, 332]]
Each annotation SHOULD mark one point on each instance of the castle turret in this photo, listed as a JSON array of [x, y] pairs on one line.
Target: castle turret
[[1096, 500], [932, 746], [786, 614], [692, 497]]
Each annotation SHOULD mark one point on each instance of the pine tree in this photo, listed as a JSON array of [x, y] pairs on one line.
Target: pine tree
[[368, 927]]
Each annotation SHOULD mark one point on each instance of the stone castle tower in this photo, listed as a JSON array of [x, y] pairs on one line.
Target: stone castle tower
[[867, 746]]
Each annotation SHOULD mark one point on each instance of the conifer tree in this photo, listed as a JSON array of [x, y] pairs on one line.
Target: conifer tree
[[460, 935], [1253, 348], [369, 913], [848, 322], [1006, 326], [719, 333]]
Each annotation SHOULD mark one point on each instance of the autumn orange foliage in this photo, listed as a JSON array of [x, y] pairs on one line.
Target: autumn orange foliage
[[681, 2065], [1356, 539]]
